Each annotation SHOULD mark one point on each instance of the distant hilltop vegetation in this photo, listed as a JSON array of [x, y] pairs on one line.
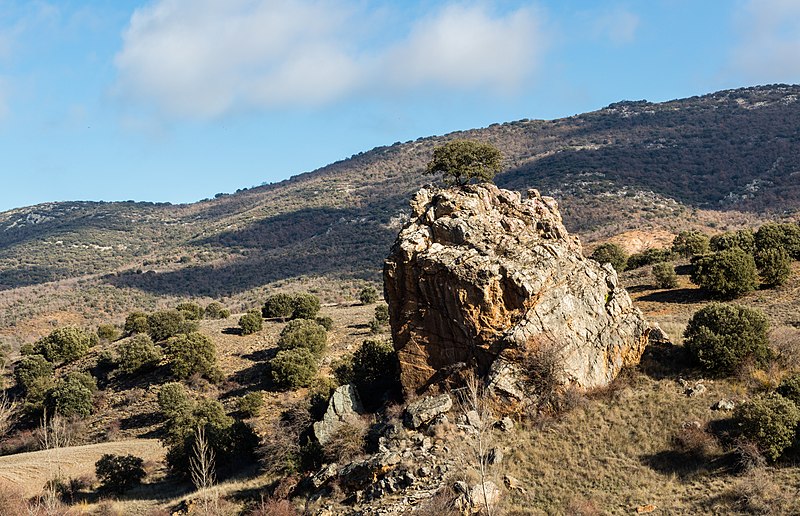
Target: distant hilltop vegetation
[[727, 158]]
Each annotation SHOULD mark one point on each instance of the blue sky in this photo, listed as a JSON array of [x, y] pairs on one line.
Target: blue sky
[[176, 100]]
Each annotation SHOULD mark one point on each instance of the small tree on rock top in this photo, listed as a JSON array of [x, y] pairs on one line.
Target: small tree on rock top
[[460, 161]]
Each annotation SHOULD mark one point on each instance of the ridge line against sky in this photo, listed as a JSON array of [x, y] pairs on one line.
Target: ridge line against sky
[[176, 100]]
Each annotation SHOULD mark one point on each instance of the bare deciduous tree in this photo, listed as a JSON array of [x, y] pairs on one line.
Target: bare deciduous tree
[[201, 464]]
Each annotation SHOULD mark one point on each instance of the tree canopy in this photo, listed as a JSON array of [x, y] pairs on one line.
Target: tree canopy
[[460, 161]]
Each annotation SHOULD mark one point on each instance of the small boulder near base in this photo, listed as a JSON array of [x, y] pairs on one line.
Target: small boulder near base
[[425, 410], [343, 405], [479, 273]]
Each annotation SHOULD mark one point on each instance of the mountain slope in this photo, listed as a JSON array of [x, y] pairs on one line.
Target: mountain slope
[[725, 159]]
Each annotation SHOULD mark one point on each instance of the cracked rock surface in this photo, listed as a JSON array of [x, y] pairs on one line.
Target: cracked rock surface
[[480, 276]]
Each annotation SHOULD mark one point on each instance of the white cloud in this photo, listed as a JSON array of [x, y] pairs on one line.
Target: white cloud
[[769, 43], [618, 26], [205, 58], [466, 47]]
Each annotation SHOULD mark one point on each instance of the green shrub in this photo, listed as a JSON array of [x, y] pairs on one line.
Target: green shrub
[[721, 337], [774, 266], [742, 239], [29, 369], [303, 333], [305, 306], [610, 253], [174, 402], [118, 473], [779, 236], [193, 353], [326, 322], [790, 388], [664, 274], [215, 310], [375, 327], [139, 353], [136, 322], [65, 344], [690, 243], [190, 311], [278, 306], [649, 257], [71, 396], [770, 421], [293, 368], [382, 313], [108, 332], [375, 370], [727, 274], [251, 322], [368, 295], [251, 404], [168, 323]]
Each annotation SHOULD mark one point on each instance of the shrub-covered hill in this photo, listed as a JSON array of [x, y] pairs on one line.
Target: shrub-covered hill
[[724, 159]]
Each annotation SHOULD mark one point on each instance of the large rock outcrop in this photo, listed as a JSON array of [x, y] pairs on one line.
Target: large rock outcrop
[[479, 277]]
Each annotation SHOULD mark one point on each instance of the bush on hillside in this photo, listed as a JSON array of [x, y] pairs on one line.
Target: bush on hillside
[[326, 322], [108, 332], [118, 473], [304, 333], [190, 311], [136, 322], [215, 310], [139, 353], [174, 402], [727, 274], [293, 368], [779, 236], [368, 295], [231, 441], [193, 353], [168, 323], [790, 388], [375, 371], [72, 396], [279, 306], [251, 322], [29, 369], [742, 239], [65, 344], [610, 253], [774, 266], [649, 257], [251, 404], [721, 337], [382, 313], [305, 306], [690, 243], [664, 274], [770, 421]]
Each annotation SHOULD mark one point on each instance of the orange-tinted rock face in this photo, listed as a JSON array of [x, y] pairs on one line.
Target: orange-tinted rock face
[[479, 271]]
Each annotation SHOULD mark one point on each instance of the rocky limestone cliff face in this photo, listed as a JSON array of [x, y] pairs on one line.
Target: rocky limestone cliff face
[[479, 277]]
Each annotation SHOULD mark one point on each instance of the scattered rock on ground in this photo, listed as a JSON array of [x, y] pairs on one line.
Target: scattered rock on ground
[[343, 405], [425, 410], [724, 404]]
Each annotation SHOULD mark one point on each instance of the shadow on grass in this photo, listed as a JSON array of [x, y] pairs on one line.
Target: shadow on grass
[[660, 361], [683, 296], [687, 465], [141, 420], [232, 331]]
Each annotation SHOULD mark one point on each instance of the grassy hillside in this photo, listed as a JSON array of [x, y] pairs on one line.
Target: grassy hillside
[[718, 161]]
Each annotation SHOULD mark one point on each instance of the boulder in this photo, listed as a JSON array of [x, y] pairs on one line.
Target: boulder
[[425, 410], [480, 274], [343, 406]]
